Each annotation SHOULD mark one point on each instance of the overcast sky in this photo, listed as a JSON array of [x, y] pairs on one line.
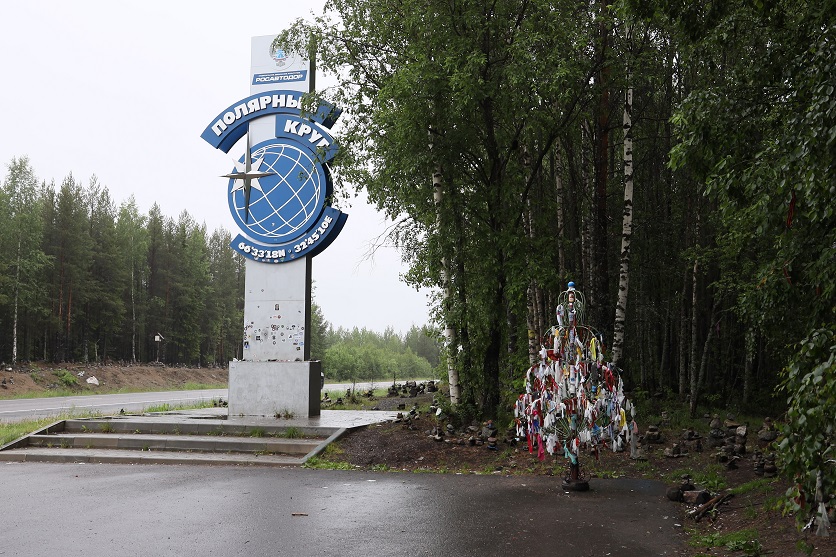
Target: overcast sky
[[123, 91]]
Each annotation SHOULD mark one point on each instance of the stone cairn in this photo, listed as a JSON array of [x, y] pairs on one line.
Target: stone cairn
[[653, 435], [734, 443], [692, 440], [767, 433], [716, 435], [764, 465]]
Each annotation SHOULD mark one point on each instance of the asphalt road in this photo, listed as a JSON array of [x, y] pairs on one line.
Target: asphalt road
[[99, 510], [32, 408]]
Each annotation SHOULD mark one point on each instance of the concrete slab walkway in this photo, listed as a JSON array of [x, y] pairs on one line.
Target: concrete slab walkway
[[203, 436]]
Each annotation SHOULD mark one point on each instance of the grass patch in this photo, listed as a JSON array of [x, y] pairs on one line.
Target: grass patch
[[164, 407], [318, 463], [257, 432], [710, 477], [760, 485], [645, 468], [357, 401], [745, 541], [292, 433], [64, 391], [13, 431], [191, 386]]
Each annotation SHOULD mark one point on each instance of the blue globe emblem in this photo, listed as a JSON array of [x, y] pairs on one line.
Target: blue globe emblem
[[289, 198]]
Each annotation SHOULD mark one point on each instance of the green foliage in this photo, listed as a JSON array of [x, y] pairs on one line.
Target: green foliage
[[805, 547], [710, 477], [808, 443], [745, 541], [292, 433], [66, 378], [760, 485], [491, 98], [318, 463], [12, 431], [760, 133], [361, 355]]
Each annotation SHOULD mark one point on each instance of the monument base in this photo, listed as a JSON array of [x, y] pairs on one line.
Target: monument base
[[274, 389]]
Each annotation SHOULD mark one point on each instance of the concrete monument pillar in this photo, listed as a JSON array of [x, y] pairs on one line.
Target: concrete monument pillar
[[278, 195]]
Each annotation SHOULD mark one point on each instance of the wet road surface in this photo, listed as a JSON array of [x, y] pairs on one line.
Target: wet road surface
[[99, 510]]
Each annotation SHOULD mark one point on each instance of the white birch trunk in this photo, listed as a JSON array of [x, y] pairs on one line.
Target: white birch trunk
[[133, 311], [17, 297], [626, 231], [449, 330], [692, 367], [558, 187]]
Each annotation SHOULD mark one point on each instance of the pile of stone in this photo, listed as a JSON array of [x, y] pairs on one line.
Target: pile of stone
[[408, 418], [677, 492], [411, 389], [692, 440], [653, 435], [675, 451], [764, 465], [489, 434], [734, 444], [716, 433], [475, 434], [767, 433]]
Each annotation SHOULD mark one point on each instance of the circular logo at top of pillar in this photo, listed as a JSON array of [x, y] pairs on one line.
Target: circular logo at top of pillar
[[279, 206]]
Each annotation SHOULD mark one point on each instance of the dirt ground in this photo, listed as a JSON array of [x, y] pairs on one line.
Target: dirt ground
[[410, 445], [35, 378]]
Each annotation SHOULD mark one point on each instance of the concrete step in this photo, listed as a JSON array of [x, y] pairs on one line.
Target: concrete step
[[176, 425], [206, 436], [117, 456], [159, 442]]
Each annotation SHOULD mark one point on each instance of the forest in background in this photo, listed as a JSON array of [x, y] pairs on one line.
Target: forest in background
[[84, 279], [674, 159]]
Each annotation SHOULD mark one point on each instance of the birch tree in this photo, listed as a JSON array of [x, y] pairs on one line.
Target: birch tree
[[20, 244], [626, 229]]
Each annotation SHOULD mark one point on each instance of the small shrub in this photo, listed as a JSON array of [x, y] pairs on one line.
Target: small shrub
[[66, 378]]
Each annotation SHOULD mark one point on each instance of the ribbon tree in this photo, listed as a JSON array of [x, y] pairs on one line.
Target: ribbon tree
[[573, 399]]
